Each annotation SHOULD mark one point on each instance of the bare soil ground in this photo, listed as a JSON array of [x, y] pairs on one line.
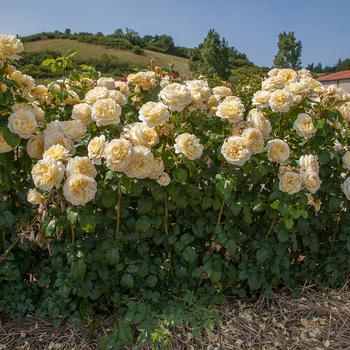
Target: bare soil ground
[[316, 321]]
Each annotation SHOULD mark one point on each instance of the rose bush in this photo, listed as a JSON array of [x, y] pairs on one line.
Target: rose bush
[[154, 186]]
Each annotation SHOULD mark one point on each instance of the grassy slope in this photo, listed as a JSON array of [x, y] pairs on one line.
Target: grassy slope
[[86, 50]]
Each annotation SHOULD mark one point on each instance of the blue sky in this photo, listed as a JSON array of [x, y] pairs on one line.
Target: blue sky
[[252, 26]]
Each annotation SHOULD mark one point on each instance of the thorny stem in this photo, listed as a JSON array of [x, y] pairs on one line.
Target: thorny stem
[[220, 213], [117, 208], [166, 213], [8, 251]]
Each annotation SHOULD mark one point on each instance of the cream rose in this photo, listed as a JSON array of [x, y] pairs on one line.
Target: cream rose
[[278, 150], [304, 126], [34, 197], [200, 92], [143, 80], [23, 123], [308, 162], [222, 91], [259, 121], [74, 129], [4, 146], [281, 101], [10, 47], [118, 97], [261, 98], [344, 109], [82, 112], [142, 163], [231, 108], [80, 165], [235, 151], [96, 148], [123, 87], [47, 174], [153, 113], [297, 88], [119, 154], [346, 160], [188, 145], [57, 152], [106, 82], [57, 137], [95, 94], [272, 84], [79, 189], [25, 82], [290, 182], [106, 112], [254, 140], [287, 75], [346, 188], [140, 134], [158, 169], [35, 146], [176, 96], [164, 179], [311, 180]]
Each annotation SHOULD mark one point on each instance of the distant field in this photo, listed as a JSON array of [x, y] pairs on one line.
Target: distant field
[[86, 50]]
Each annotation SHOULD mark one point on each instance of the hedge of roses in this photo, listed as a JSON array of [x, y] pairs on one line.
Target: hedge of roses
[[150, 186]]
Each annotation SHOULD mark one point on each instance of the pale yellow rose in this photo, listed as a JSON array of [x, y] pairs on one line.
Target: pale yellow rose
[[153, 113], [123, 87], [346, 188], [235, 151], [41, 93], [10, 47], [278, 150], [176, 96], [47, 174], [222, 91], [57, 152], [254, 140], [298, 88], [281, 101], [74, 129], [287, 75], [106, 82], [58, 138], [346, 160], [188, 145], [311, 180], [25, 82], [158, 169], [272, 83], [82, 112], [273, 72], [140, 134], [119, 154], [34, 108], [200, 93], [304, 126], [118, 97], [79, 189], [4, 146], [164, 179], [35, 146], [23, 123], [72, 98], [95, 94], [290, 182], [308, 162], [261, 98], [34, 197], [143, 80], [259, 121], [231, 109], [106, 112], [142, 163], [96, 148], [344, 109], [81, 165]]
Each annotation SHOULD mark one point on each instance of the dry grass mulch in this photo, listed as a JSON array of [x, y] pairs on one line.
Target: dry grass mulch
[[316, 321]]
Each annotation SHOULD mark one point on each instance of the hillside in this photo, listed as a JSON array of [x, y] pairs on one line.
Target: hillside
[[86, 50]]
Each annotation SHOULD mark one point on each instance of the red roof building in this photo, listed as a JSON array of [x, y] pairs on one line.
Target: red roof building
[[338, 78]]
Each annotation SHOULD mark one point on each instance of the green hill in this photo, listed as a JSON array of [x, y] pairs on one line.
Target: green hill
[[92, 51]]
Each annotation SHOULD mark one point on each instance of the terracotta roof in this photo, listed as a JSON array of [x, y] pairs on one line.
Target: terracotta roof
[[345, 74]]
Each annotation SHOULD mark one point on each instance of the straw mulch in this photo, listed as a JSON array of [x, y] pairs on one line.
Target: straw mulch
[[316, 321]]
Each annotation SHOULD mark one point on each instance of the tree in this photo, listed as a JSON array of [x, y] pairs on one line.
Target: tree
[[67, 31], [289, 51]]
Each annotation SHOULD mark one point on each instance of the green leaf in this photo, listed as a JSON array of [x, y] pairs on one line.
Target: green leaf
[[261, 255], [151, 281], [282, 236], [50, 228], [112, 256], [190, 255], [47, 62], [11, 138], [289, 223], [72, 215], [78, 269], [180, 175], [127, 281], [87, 222]]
